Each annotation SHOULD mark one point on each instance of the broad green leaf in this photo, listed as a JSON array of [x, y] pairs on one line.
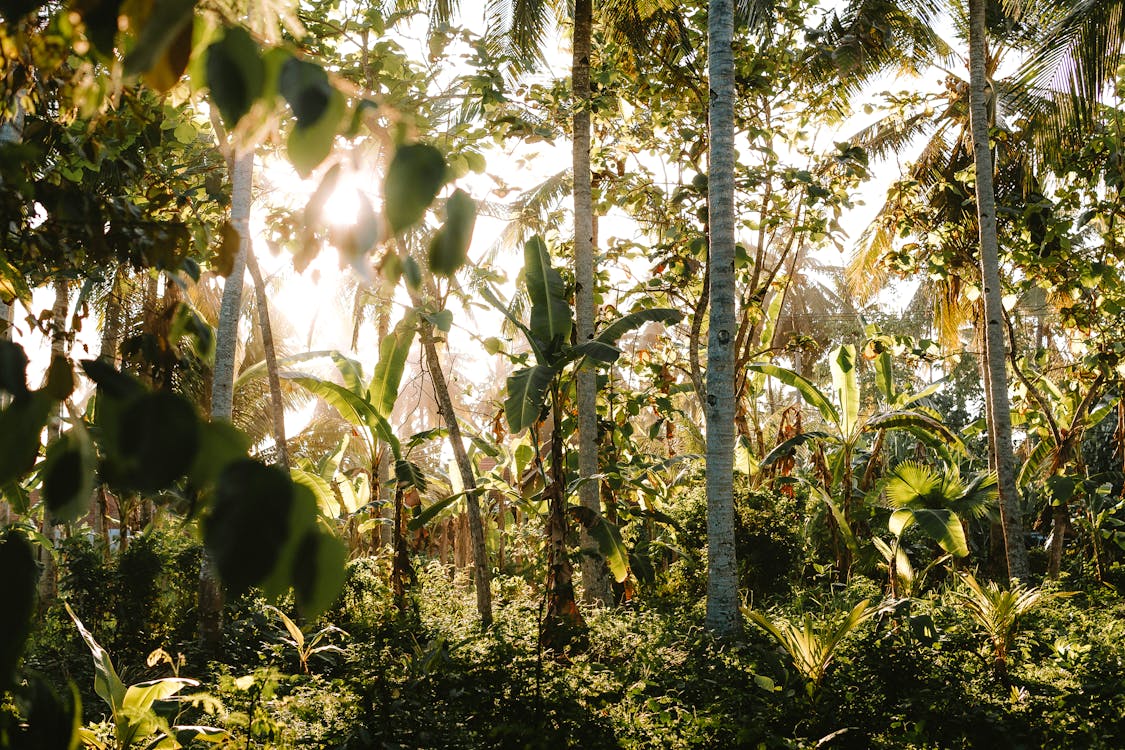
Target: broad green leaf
[[59, 383], [17, 591], [845, 383], [394, 350], [595, 350], [809, 392], [527, 391], [161, 44], [450, 246], [258, 369], [351, 372], [253, 518], [21, 425], [142, 695], [68, 473], [618, 328], [786, 447], [188, 733], [309, 145], [220, 444], [441, 320], [13, 368], [884, 376], [322, 490], [550, 311], [318, 572], [107, 684], [306, 88], [943, 526], [1062, 488], [610, 544], [410, 474], [850, 540], [915, 420], [432, 511], [414, 177], [158, 438], [235, 74]]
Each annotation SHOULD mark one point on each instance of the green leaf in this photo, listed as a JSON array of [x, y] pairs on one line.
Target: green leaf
[[60, 379], [306, 88], [220, 444], [318, 572], [550, 311], [322, 490], [441, 320], [309, 145], [809, 392], [943, 526], [414, 177], [13, 368], [394, 350], [68, 474], [432, 511], [527, 392], [845, 383], [450, 246], [17, 591], [107, 684], [139, 697], [785, 448], [595, 350], [412, 272], [608, 537], [21, 426], [909, 419], [162, 32], [618, 328], [235, 74], [254, 518], [158, 438], [410, 474]]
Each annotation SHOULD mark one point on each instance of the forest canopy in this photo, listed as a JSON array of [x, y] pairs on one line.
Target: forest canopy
[[697, 374]]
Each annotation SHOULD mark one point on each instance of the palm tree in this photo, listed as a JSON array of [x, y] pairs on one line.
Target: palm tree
[[999, 411], [722, 570]]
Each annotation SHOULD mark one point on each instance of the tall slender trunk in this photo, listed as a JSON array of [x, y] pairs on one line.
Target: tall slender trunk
[[481, 569], [595, 575], [722, 578], [1000, 428], [48, 584], [382, 466], [563, 624], [222, 384], [278, 406]]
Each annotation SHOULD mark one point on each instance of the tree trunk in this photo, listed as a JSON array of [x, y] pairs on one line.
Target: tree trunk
[[48, 584], [1059, 523], [481, 571], [383, 489], [222, 385], [722, 578], [563, 624], [271, 358], [1000, 429], [595, 575]]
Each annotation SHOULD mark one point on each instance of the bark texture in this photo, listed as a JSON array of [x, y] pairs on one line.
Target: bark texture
[[722, 574], [1000, 427], [222, 384], [481, 570], [276, 403], [595, 576]]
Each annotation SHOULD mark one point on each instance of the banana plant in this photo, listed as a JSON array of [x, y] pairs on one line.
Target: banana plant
[[533, 394], [367, 406], [1058, 425], [308, 646], [999, 611], [845, 425], [135, 721]]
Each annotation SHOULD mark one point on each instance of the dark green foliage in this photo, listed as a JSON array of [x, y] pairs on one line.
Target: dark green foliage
[[414, 177], [17, 591], [767, 537]]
